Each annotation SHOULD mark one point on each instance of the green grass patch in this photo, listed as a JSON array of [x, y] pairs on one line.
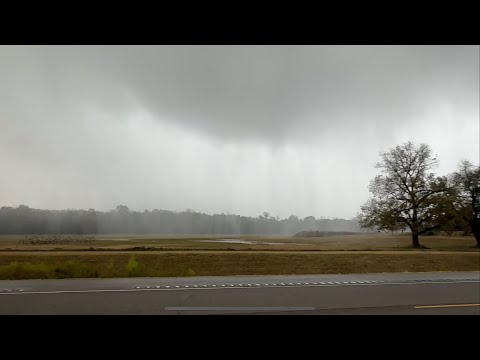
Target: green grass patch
[[18, 270]]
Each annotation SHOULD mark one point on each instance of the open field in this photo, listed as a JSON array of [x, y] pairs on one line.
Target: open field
[[108, 255], [369, 242]]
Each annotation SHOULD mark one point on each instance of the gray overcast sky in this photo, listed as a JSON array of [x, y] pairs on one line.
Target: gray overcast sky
[[243, 129]]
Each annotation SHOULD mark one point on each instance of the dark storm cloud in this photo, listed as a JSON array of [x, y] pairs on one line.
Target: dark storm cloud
[[261, 91], [264, 91]]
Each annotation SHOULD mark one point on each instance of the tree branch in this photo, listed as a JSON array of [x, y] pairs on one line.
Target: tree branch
[[428, 229]]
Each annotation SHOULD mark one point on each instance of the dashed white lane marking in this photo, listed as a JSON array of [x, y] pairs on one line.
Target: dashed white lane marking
[[218, 287], [327, 283]]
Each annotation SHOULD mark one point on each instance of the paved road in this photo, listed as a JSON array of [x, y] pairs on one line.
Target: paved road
[[399, 293]]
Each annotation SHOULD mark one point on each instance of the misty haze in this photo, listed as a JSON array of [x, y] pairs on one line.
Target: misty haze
[[184, 161], [239, 129]]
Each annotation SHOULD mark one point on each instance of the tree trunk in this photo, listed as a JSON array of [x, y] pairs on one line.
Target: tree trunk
[[477, 237], [415, 242], [415, 229], [475, 220], [475, 224]]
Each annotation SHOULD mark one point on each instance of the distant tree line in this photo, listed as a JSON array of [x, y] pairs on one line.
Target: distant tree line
[[408, 195], [122, 220]]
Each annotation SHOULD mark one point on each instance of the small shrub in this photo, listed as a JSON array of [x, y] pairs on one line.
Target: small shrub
[[133, 268], [189, 272]]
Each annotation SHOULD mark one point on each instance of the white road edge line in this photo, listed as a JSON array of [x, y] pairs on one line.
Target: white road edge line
[[230, 287]]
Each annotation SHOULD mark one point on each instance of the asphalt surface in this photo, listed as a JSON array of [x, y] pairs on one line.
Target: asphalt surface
[[393, 293]]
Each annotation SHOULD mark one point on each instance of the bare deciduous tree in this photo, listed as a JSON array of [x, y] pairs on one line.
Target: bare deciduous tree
[[404, 196]]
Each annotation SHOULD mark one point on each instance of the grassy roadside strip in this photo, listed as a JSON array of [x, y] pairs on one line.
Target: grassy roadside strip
[[108, 265]]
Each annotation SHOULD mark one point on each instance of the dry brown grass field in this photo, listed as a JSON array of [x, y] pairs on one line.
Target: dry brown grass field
[[370, 242], [108, 255]]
